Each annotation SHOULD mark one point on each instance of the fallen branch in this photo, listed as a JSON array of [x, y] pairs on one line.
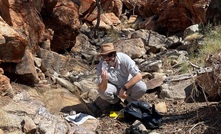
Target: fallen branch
[[199, 123], [190, 75], [193, 65], [180, 77], [98, 18]]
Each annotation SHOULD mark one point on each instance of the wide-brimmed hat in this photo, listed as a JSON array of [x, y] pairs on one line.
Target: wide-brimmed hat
[[106, 49]]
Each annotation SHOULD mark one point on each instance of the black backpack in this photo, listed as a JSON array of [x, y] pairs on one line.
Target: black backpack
[[140, 110]]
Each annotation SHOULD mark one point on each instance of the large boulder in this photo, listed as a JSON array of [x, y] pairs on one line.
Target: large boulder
[[24, 17], [64, 20], [12, 44]]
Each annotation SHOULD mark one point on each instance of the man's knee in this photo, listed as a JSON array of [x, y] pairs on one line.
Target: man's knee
[[111, 100], [110, 97], [141, 86]]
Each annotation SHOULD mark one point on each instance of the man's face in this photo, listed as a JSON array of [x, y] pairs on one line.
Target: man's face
[[109, 57]]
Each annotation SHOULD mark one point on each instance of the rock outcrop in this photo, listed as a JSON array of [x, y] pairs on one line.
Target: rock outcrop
[[51, 45]]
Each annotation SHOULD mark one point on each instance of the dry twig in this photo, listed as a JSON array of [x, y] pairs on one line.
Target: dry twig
[[199, 123]]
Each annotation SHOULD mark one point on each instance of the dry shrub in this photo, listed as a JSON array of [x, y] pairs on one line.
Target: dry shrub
[[210, 82]]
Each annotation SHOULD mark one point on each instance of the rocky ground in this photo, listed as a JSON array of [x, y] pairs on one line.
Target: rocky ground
[[181, 118]]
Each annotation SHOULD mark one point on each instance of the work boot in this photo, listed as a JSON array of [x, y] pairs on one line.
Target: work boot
[[103, 106], [117, 106]]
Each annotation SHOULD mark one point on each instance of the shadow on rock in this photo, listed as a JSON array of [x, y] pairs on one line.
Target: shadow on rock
[[97, 108]]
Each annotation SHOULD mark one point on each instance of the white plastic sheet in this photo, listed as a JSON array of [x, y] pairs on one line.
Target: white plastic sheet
[[79, 118]]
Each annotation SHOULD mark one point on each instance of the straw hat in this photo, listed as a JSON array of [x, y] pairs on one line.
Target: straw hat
[[106, 49]]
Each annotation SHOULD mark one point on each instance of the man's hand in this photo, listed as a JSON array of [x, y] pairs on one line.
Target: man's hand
[[104, 75], [122, 94], [103, 85]]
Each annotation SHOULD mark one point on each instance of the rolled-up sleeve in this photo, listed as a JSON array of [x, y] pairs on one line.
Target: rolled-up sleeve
[[134, 70], [131, 66]]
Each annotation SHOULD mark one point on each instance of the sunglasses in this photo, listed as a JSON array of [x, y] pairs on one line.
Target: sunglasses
[[108, 55]]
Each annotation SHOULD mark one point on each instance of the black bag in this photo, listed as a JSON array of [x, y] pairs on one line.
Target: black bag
[[140, 110]]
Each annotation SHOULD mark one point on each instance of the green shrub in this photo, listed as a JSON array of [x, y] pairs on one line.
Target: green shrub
[[211, 45]]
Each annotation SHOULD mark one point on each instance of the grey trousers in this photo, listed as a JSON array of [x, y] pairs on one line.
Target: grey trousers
[[134, 93]]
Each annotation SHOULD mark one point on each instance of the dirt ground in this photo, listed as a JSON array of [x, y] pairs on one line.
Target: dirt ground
[[181, 118]]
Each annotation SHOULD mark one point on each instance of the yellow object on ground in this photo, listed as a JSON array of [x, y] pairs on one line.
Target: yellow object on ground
[[114, 114]]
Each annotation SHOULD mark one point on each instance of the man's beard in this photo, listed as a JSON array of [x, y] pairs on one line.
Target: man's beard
[[112, 62]]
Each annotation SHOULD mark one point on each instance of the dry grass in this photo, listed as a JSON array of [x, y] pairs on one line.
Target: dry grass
[[211, 45]]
